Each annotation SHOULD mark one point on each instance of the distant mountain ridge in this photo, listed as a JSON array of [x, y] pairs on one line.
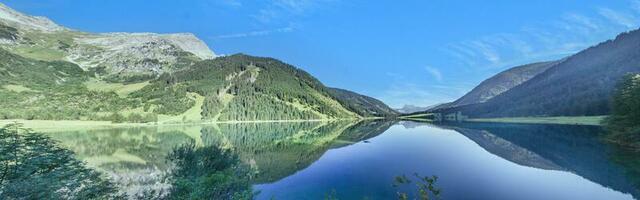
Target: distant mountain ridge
[[363, 105], [502, 82], [406, 109], [579, 85], [494, 86]]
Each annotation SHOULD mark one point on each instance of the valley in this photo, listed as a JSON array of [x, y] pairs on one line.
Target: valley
[[155, 78], [509, 100]]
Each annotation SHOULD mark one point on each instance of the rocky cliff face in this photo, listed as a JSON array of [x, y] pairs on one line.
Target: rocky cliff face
[[138, 52], [109, 54]]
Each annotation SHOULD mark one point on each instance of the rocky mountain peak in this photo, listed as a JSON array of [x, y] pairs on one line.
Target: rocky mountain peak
[[136, 52], [112, 54], [122, 41], [23, 21]]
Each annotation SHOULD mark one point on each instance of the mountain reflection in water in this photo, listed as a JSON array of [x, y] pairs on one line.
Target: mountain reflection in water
[[285, 154]]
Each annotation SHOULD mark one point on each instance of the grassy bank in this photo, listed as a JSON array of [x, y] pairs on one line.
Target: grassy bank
[[573, 120]]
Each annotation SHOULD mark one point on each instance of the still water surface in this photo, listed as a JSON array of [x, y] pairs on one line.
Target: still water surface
[[349, 160]]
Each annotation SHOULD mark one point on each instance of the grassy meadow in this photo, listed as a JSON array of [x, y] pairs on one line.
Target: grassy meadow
[[572, 120]]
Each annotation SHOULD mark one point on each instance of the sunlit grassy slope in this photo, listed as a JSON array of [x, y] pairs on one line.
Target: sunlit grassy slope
[[121, 89], [233, 88]]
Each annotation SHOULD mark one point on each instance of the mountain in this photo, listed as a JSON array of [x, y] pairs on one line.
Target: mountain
[[495, 86], [242, 87], [502, 82], [117, 56], [55, 73], [126, 54], [406, 109], [363, 105], [229, 88], [579, 85], [26, 22]]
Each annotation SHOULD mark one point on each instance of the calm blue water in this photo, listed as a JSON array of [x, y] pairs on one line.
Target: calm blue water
[[361, 160], [472, 161]]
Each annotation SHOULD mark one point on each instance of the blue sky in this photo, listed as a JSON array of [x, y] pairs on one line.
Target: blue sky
[[409, 52]]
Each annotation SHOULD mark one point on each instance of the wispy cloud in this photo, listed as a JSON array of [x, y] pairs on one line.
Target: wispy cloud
[[568, 34], [255, 33], [618, 17], [435, 73], [485, 49], [579, 21], [282, 9]]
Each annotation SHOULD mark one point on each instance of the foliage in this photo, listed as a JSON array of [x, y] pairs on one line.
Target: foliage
[[32, 166], [624, 122], [208, 173]]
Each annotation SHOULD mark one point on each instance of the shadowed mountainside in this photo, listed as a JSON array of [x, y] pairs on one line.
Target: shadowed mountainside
[[579, 85]]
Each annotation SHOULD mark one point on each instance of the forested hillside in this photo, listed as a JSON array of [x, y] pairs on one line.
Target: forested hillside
[[582, 84], [51, 72], [242, 87], [363, 105], [231, 88]]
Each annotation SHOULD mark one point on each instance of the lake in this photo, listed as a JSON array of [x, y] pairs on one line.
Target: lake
[[363, 160]]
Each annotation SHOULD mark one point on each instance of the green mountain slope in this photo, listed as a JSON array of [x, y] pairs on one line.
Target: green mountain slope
[[242, 87], [363, 105], [32, 89], [231, 88]]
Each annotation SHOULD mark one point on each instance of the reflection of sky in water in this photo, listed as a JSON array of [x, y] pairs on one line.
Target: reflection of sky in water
[[465, 170], [296, 160]]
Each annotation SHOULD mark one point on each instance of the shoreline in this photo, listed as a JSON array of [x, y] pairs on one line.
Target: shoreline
[[44, 125], [567, 120]]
